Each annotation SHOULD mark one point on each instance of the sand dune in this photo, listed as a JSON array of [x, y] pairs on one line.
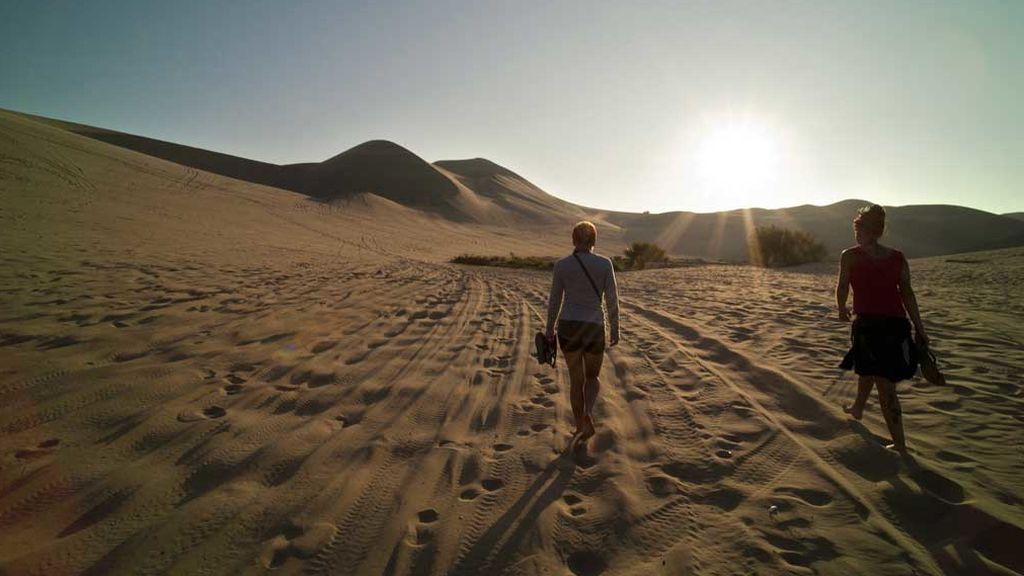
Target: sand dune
[[483, 192], [203, 375], [376, 167], [515, 194]]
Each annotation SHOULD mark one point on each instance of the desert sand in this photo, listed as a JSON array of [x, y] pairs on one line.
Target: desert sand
[[202, 375]]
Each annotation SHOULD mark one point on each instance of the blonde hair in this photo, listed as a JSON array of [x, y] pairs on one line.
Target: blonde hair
[[871, 219], [584, 234]]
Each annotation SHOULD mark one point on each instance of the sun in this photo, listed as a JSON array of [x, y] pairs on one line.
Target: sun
[[737, 160]]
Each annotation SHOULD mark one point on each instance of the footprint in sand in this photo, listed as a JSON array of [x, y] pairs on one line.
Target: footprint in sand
[[947, 456], [661, 485], [428, 516], [356, 358], [214, 412], [43, 448], [469, 494], [492, 484], [232, 389], [724, 498], [586, 562], [323, 346], [634, 394], [946, 405], [295, 542], [810, 496], [208, 413], [502, 447]]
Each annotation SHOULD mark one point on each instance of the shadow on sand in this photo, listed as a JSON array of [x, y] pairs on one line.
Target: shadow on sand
[[494, 550]]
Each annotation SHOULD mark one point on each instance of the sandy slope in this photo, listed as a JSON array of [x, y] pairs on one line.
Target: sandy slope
[[199, 375]]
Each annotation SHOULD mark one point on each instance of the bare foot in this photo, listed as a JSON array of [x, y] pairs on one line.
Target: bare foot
[[856, 414]]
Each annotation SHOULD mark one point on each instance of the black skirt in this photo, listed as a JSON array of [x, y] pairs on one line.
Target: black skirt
[[574, 335], [881, 346]]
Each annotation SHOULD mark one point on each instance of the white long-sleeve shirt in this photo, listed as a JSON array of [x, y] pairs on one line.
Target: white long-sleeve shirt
[[572, 294]]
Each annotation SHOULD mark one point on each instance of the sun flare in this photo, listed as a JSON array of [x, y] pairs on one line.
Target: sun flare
[[738, 159]]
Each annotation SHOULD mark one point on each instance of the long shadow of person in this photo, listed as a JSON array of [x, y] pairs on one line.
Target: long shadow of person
[[493, 551]]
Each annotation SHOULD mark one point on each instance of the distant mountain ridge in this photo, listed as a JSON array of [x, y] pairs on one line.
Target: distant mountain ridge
[[480, 191], [919, 231]]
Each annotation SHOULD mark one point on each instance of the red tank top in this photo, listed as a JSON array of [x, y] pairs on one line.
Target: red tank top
[[875, 283]]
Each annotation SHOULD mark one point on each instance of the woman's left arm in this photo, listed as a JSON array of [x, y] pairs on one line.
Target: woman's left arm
[[910, 303], [554, 302]]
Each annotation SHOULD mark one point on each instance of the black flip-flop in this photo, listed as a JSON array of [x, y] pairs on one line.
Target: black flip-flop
[[930, 367], [546, 352]]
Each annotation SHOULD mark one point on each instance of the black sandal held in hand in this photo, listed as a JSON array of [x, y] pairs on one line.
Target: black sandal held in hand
[[546, 349], [929, 366]]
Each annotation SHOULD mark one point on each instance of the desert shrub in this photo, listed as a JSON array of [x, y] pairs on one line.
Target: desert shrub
[[639, 254], [774, 247], [510, 261]]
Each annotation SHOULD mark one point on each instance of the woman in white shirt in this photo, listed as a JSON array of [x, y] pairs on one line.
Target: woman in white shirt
[[581, 281]]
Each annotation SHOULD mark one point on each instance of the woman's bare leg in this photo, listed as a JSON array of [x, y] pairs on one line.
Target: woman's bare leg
[[591, 387], [864, 385], [890, 406], [592, 362], [577, 376]]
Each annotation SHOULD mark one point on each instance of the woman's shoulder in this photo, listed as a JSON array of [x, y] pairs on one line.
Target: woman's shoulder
[[851, 254], [894, 253], [604, 260]]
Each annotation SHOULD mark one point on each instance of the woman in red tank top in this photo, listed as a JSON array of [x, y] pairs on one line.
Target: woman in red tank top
[[882, 351]]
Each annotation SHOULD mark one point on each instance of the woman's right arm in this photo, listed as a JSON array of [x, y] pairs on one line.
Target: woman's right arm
[[611, 300], [554, 302], [910, 303]]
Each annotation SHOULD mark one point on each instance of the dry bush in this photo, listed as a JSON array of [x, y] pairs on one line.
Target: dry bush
[[639, 254], [775, 247]]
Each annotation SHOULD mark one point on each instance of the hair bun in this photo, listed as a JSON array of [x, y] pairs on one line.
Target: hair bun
[[871, 218], [873, 210]]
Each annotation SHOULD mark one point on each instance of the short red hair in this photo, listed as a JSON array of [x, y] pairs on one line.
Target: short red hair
[[584, 234]]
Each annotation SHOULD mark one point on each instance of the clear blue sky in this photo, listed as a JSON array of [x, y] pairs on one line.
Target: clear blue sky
[[621, 105]]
